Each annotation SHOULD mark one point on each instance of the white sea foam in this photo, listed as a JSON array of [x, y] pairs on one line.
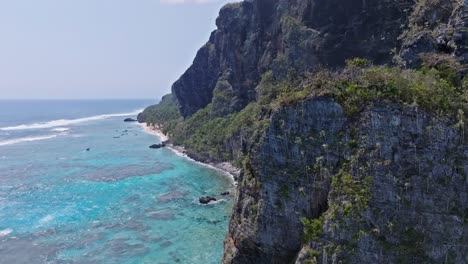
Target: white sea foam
[[5, 232], [181, 154], [60, 129], [25, 139], [46, 219], [66, 122], [217, 201]]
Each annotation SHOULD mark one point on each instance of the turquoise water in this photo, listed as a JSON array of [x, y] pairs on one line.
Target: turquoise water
[[120, 202]]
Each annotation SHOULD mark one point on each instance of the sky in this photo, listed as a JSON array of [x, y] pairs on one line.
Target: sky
[[97, 49]]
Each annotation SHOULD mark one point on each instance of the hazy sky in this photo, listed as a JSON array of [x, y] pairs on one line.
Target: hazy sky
[[99, 48]]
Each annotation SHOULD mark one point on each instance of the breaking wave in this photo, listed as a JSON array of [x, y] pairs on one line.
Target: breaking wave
[[66, 122], [25, 139]]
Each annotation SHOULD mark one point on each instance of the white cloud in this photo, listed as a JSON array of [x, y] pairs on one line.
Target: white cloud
[[181, 2]]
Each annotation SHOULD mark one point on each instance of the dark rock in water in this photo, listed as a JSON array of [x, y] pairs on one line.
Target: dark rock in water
[[88, 149], [206, 200], [157, 146], [225, 193], [130, 120]]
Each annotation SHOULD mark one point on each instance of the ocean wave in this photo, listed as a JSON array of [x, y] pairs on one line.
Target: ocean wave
[[66, 122], [60, 129], [5, 232], [46, 219], [25, 139]]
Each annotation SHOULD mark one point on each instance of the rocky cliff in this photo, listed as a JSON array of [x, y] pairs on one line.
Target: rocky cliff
[[388, 186], [256, 36], [343, 161], [295, 36]]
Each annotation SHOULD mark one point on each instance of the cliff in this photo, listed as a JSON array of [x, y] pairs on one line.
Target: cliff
[[387, 186], [296, 36], [256, 36], [343, 160]]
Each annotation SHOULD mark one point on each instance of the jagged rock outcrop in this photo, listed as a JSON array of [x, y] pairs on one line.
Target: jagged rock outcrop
[[435, 26]]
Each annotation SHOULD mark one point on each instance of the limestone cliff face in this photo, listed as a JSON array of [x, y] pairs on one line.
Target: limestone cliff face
[[279, 189], [390, 186], [417, 200], [288, 37]]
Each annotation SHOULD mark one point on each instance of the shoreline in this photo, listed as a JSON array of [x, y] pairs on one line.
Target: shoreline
[[154, 131], [224, 167]]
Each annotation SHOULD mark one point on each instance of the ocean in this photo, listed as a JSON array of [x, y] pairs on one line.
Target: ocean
[[118, 202]]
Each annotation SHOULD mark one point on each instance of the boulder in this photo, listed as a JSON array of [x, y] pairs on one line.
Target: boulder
[[157, 146], [206, 200]]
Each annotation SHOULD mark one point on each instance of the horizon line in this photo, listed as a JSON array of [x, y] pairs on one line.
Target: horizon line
[[74, 99]]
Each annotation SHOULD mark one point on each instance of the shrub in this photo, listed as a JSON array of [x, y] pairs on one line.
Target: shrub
[[313, 228], [358, 63]]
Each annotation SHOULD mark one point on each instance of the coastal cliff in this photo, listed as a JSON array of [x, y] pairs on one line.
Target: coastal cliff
[[348, 121]]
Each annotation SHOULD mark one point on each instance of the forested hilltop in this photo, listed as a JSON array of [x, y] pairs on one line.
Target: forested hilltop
[[348, 120]]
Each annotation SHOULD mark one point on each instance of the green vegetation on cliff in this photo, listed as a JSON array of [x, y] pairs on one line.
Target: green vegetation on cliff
[[164, 115], [205, 133], [437, 87]]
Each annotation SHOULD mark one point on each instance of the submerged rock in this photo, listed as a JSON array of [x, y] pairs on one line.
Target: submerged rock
[[157, 146], [206, 200], [130, 120]]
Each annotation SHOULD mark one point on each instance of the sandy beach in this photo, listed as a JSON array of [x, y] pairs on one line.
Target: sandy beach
[[154, 131]]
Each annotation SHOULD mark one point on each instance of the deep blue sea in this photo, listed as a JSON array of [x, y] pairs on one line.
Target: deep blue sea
[[119, 202]]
